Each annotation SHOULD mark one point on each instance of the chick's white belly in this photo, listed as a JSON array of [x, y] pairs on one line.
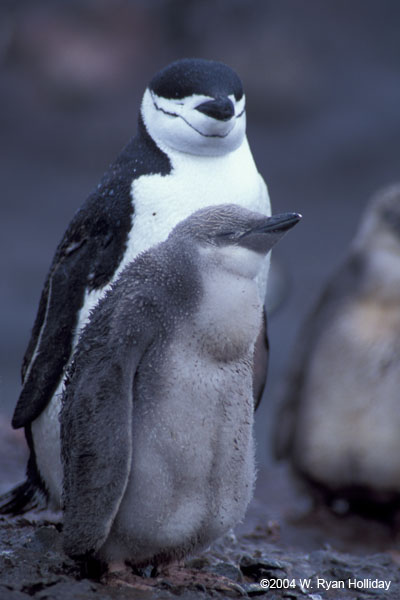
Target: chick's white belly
[[192, 471]]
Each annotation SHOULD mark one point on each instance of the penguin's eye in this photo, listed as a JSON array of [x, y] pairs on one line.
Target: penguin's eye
[[228, 236]]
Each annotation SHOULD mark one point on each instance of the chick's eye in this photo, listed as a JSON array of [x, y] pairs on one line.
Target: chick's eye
[[231, 236], [227, 234]]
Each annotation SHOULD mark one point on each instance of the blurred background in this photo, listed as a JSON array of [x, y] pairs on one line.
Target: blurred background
[[322, 81]]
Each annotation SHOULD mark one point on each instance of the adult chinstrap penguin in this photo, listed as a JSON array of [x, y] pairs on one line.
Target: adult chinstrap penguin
[[190, 151], [157, 413], [339, 420]]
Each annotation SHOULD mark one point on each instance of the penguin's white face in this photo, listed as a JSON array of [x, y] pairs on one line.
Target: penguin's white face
[[236, 260], [188, 125]]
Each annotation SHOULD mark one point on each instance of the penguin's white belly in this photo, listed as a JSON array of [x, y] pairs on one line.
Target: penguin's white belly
[[193, 471], [46, 437]]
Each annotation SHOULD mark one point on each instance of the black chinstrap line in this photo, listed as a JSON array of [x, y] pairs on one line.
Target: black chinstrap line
[[172, 114]]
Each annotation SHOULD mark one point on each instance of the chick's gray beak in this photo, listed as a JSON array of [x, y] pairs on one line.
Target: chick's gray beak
[[263, 236]]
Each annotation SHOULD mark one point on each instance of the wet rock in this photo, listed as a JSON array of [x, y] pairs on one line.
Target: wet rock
[[47, 539], [228, 570], [9, 593], [259, 567]]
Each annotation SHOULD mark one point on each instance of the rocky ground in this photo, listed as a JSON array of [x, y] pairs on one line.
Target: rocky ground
[[32, 565]]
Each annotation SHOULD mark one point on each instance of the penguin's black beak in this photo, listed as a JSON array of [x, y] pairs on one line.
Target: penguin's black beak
[[280, 223], [221, 108], [261, 238]]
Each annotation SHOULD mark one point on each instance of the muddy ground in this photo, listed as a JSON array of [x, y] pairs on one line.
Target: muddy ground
[[32, 565], [281, 541], [323, 96]]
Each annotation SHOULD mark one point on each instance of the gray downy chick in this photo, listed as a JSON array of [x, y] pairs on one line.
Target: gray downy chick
[[339, 422], [157, 416], [190, 151]]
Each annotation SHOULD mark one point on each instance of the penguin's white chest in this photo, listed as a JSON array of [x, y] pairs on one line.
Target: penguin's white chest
[[195, 182], [230, 317], [161, 202]]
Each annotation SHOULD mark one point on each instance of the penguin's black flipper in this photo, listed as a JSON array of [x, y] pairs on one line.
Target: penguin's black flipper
[[96, 418], [62, 296], [86, 259]]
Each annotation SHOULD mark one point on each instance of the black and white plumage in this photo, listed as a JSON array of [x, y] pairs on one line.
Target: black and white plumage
[[157, 415], [190, 151], [339, 420]]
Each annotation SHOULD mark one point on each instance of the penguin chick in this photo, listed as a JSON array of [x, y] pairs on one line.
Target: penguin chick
[[190, 151], [157, 414], [339, 421]]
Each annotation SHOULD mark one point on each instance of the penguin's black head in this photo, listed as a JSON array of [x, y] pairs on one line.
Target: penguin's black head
[[196, 106], [189, 76]]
